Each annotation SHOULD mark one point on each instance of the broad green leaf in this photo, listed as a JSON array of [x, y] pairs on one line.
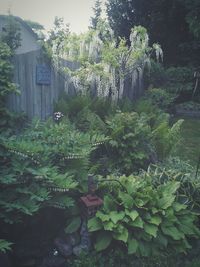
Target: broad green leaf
[[132, 245], [122, 235], [151, 229], [144, 248], [109, 226], [155, 219], [177, 206], [73, 226], [104, 217], [132, 214], [162, 239], [166, 201], [126, 199], [140, 202], [103, 240], [137, 223], [94, 224], [154, 210], [187, 245], [186, 229], [170, 188], [109, 204], [173, 232], [116, 216]]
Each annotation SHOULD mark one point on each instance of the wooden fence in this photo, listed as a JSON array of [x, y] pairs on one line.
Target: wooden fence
[[38, 96]]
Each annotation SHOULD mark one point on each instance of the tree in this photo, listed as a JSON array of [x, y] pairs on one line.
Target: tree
[[57, 35], [11, 33], [97, 14], [165, 21], [193, 16], [9, 41], [104, 63]]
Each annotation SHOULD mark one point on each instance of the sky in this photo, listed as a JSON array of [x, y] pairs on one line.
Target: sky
[[75, 12]]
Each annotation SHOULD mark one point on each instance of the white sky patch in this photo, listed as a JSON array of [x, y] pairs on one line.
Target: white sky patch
[[75, 12]]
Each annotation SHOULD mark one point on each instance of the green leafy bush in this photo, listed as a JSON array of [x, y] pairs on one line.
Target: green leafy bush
[[144, 218], [119, 258], [6, 86], [129, 147], [180, 79], [43, 166], [73, 105], [166, 138], [175, 169], [155, 76], [160, 98]]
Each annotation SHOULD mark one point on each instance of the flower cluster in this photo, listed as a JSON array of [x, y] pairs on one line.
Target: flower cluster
[[57, 115]]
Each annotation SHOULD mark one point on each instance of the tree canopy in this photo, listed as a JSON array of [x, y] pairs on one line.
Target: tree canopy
[[174, 24]]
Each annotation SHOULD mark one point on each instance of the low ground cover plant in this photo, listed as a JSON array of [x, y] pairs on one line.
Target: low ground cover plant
[[143, 218]]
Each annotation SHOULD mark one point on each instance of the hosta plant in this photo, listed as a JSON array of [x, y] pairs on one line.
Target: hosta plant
[[143, 218]]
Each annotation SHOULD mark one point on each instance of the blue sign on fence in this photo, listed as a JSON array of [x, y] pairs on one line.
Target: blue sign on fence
[[43, 75]]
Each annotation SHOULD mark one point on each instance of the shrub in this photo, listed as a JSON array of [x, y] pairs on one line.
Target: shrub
[[180, 171], [156, 75], [143, 218], [6, 86], [160, 98], [129, 147], [166, 138], [72, 105], [180, 80], [43, 166]]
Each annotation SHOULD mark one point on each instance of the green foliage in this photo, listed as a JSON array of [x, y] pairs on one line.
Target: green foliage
[[42, 167], [129, 135], [166, 138], [180, 79], [170, 23], [119, 258], [155, 76], [160, 98], [11, 33], [75, 105], [6, 85], [104, 63], [97, 14], [5, 245], [189, 147], [57, 35], [9, 41], [175, 169], [73, 225], [192, 18], [144, 218]]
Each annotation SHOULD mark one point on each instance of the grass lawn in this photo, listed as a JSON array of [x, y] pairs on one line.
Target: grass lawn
[[190, 144]]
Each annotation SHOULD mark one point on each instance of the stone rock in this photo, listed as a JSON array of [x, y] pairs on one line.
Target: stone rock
[[64, 248], [73, 239], [85, 243]]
